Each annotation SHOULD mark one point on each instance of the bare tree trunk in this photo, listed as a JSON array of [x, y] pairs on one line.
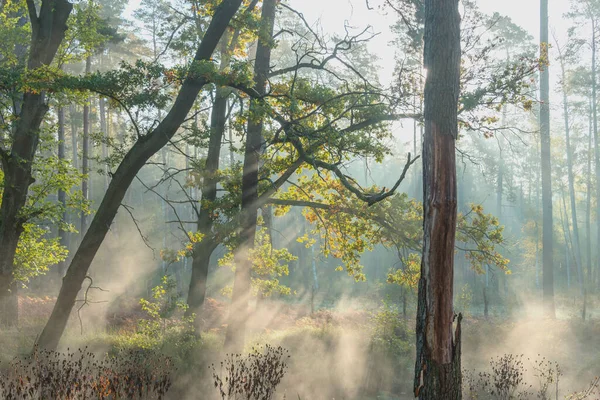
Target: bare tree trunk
[[596, 143], [438, 367], [75, 153], [133, 161], [547, 231], [62, 199], [588, 210], [238, 312], [104, 130], [47, 32], [576, 242], [85, 170]]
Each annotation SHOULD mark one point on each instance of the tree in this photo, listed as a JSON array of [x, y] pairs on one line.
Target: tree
[[238, 311], [48, 27], [205, 217], [571, 178], [547, 229], [144, 148], [438, 368]]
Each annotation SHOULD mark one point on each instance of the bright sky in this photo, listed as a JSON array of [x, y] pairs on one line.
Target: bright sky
[[332, 15]]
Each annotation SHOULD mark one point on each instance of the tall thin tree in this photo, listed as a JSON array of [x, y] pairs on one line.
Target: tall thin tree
[[546, 165]]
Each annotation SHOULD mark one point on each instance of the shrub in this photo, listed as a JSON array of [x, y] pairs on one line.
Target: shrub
[[504, 381], [251, 377], [44, 375]]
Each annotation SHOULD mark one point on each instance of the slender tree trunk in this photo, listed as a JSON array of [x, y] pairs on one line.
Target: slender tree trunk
[[596, 143], [576, 242], [438, 367], [547, 231], [74, 149], [204, 249], [588, 210], [133, 161], [104, 130], [62, 198], [239, 312], [85, 170], [48, 29]]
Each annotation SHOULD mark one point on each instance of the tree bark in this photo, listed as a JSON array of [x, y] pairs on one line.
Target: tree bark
[[133, 161], [547, 231], [47, 32], [238, 312], [438, 367]]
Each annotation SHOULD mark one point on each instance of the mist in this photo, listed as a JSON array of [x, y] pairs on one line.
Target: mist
[[264, 199]]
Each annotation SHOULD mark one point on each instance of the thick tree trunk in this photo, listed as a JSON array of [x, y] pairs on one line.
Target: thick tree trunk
[[62, 198], [133, 161], [238, 313], [547, 231], [48, 31], [438, 368]]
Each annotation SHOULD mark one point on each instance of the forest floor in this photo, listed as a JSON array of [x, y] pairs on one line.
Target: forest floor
[[335, 354]]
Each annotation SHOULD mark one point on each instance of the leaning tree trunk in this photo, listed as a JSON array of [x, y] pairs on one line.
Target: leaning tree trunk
[[238, 312], [547, 231], [133, 161], [47, 32], [438, 368]]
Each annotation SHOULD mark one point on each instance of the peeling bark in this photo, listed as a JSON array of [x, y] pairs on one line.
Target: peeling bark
[[437, 368]]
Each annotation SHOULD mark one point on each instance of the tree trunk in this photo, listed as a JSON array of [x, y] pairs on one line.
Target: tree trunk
[[74, 150], [133, 161], [62, 198], [596, 143], [47, 32], [238, 312], [438, 367], [204, 249], [588, 210], [547, 231], [576, 242], [85, 170], [218, 120], [104, 130]]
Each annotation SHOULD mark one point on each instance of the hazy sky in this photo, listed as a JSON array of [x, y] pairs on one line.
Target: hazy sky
[[333, 13]]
